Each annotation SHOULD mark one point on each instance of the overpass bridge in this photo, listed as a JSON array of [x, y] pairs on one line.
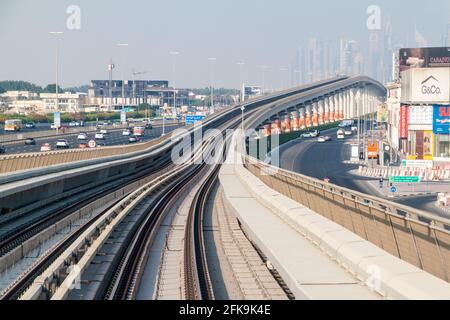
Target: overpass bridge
[[317, 240]]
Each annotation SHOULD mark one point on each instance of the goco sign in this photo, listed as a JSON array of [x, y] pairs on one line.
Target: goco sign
[[431, 86]]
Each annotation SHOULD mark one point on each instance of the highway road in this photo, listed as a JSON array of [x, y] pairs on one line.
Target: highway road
[[111, 139], [325, 160]]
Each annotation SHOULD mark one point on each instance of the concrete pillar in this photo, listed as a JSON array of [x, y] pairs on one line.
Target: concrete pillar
[[326, 101], [308, 116], [315, 114], [302, 118], [332, 106], [352, 103], [321, 110], [341, 105], [295, 121]]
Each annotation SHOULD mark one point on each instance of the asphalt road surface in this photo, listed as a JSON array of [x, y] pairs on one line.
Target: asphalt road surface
[[325, 160], [111, 139]]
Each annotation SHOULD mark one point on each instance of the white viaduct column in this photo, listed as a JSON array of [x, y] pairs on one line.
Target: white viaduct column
[[302, 118], [308, 116], [352, 103], [341, 105], [326, 109], [315, 114], [321, 110], [331, 104]]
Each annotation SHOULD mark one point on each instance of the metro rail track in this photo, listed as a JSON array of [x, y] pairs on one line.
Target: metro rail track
[[27, 230], [122, 280]]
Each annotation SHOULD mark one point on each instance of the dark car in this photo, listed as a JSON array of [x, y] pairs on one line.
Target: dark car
[[149, 126], [30, 142], [2, 149]]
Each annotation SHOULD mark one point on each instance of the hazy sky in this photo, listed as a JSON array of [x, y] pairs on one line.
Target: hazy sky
[[257, 32]]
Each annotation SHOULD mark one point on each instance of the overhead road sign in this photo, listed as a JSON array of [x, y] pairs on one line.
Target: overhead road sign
[[404, 179]]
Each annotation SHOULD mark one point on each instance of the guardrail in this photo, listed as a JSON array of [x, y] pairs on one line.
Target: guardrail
[[415, 236]]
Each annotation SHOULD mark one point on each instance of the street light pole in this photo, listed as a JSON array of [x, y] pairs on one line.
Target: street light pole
[[56, 33], [123, 45], [212, 60], [174, 112], [264, 79], [241, 85]]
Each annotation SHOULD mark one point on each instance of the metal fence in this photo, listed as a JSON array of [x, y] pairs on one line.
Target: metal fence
[[414, 236]]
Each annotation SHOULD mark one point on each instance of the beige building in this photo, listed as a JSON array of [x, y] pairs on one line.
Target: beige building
[[68, 102]]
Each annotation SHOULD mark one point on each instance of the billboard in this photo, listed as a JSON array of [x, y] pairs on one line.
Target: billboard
[[382, 114], [424, 58], [403, 122], [441, 119], [123, 116], [372, 149], [194, 119], [57, 119], [428, 145], [427, 85], [420, 115]]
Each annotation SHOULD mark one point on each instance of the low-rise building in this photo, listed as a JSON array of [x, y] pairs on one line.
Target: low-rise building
[[68, 102]]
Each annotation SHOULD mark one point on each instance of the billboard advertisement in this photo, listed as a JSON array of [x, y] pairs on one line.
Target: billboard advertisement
[[427, 85], [424, 58], [403, 122], [372, 149], [123, 116], [382, 114], [420, 115], [428, 145], [57, 119], [441, 119]]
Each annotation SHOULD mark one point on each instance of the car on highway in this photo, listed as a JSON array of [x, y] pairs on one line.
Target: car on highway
[[348, 131], [311, 134], [62, 144], [74, 124], [126, 132], [101, 143], [2, 149], [103, 131], [83, 145], [53, 126], [323, 139], [99, 136], [30, 142], [46, 147], [133, 139], [340, 134], [82, 136], [148, 126], [30, 125]]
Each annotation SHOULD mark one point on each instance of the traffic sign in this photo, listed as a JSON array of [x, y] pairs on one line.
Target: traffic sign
[[92, 144], [404, 179], [393, 189], [194, 119]]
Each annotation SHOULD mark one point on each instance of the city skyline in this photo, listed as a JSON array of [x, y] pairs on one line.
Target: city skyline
[[237, 32]]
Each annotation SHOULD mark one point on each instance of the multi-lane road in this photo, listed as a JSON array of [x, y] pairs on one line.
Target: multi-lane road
[[326, 160], [112, 138]]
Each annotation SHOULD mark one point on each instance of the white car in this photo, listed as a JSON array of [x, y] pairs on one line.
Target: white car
[[104, 131], [82, 136], [62, 144], [323, 139], [46, 147], [53, 126], [312, 134], [99, 136], [126, 133], [348, 132]]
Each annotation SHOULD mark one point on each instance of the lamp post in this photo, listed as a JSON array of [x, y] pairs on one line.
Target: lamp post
[[174, 111], [212, 60], [264, 68], [123, 45], [56, 34], [241, 85], [283, 79]]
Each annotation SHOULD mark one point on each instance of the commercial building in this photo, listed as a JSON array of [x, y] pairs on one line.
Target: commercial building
[[424, 116], [67, 102], [106, 96]]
